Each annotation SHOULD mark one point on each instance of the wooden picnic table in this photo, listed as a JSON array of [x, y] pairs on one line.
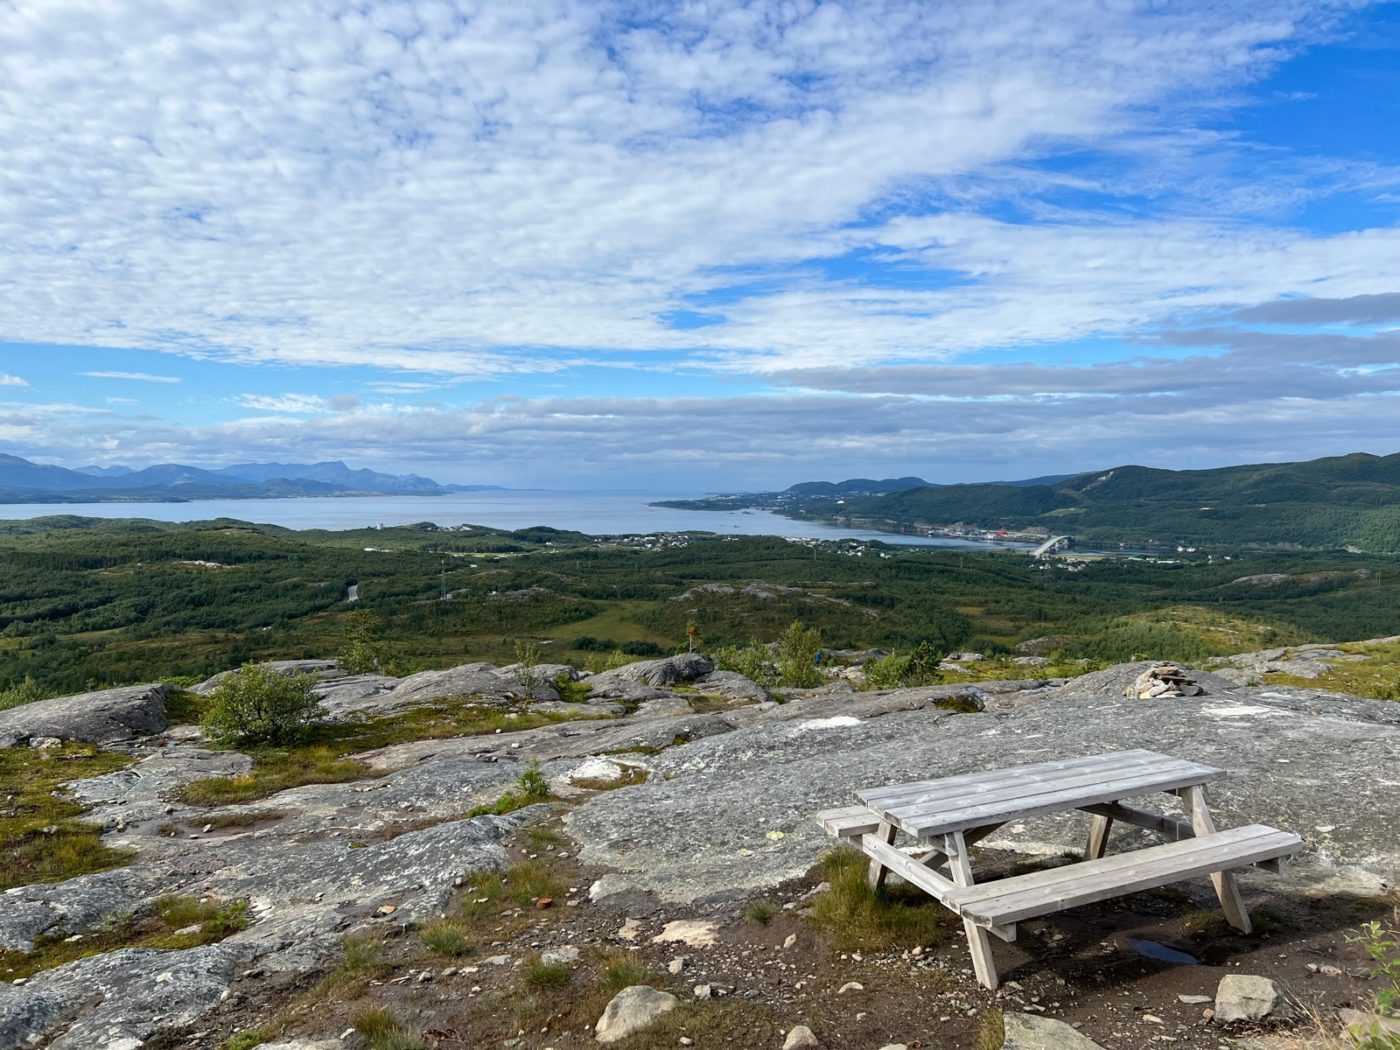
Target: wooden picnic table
[[947, 816]]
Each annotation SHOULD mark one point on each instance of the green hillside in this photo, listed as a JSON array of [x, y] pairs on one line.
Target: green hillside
[[1344, 501]]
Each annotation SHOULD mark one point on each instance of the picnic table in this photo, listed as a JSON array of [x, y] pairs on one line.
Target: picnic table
[[947, 816]]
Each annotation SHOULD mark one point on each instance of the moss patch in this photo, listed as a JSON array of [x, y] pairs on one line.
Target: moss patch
[[40, 838], [173, 922]]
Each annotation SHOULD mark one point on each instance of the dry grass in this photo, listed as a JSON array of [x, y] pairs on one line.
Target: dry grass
[[859, 918]]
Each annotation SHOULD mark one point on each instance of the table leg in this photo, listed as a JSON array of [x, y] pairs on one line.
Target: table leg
[[878, 872], [1225, 886], [1098, 837], [978, 940]]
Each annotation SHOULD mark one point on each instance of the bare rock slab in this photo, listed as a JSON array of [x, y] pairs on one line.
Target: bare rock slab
[[1241, 997], [101, 717], [631, 1010], [1033, 1032]]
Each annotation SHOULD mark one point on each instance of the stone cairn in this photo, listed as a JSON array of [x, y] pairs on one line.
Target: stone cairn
[[1162, 680]]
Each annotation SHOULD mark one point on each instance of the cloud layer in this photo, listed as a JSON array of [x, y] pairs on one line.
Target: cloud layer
[[849, 211]]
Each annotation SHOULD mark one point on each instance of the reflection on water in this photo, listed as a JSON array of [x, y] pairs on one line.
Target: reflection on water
[[1161, 952]]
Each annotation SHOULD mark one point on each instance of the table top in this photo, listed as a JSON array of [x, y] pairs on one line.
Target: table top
[[971, 800]]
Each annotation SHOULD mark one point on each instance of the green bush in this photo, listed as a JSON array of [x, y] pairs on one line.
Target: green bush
[[797, 656], [753, 661], [258, 705], [897, 670], [25, 693], [362, 648]]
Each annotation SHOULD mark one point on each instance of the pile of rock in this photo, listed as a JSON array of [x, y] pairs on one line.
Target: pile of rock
[[1162, 680]]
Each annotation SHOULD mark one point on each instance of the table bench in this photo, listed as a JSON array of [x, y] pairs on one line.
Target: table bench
[[945, 817]]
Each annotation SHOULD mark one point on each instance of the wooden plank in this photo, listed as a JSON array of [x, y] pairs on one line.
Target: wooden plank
[[989, 779], [1029, 805], [1166, 767], [907, 868], [1098, 837], [1123, 874], [1066, 875], [1142, 818], [983, 965], [1223, 880], [877, 873], [848, 822]]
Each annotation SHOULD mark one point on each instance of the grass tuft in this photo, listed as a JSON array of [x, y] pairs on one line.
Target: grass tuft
[[382, 1030], [446, 937], [760, 912], [542, 976], [857, 917]]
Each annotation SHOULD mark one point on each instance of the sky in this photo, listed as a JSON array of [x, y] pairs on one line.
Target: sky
[[699, 245]]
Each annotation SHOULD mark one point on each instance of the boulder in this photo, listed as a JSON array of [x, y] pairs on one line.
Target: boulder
[[631, 1010], [1034, 1032], [102, 717], [800, 1036], [1242, 997], [466, 680], [685, 667], [324, 670], [733, 686]]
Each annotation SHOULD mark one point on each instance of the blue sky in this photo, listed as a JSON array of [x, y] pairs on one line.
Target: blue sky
[[707, 246]]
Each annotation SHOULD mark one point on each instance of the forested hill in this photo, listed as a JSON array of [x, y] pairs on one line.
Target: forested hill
[[1342, 501]]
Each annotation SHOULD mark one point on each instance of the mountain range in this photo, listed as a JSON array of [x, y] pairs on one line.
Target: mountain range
[[22, 481]]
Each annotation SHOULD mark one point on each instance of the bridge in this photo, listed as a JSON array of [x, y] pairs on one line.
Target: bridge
[[1054, 543]]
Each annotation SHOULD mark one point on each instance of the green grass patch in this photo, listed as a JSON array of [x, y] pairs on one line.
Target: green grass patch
[[622, 971], [40, 838], [173, 922], [542, 976], [860, 918], [322, 757], [448, 937], [1376, 677], [531, 788], [382, 1030]]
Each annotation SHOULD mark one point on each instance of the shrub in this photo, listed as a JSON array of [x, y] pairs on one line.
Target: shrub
[[25, 693], [797, 656], [362, 648], [1383, 946], [895, 671], [259, 705]]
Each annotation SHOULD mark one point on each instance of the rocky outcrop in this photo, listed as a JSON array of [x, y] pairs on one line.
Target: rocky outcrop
[[1314, 765], [101, 717], [319, 861], [686, 667], [1300, 661]]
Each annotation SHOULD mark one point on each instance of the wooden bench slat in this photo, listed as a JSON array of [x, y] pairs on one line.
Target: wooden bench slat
[[848, 821], [1069, 798], [1040, 893], [893, 794]]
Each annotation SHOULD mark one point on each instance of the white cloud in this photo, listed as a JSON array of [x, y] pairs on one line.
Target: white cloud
[[139, 377], [478, 189], [291, 403], [9, 380]]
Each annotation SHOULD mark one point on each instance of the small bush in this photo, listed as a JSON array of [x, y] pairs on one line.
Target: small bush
[[759, 912], [532, 787], [258, 705], [753, 661], [797, 656], [25, 693]]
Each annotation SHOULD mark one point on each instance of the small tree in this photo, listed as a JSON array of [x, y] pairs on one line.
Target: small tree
[[362, 647], [258, 705], [798, 649], [692, 636]]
